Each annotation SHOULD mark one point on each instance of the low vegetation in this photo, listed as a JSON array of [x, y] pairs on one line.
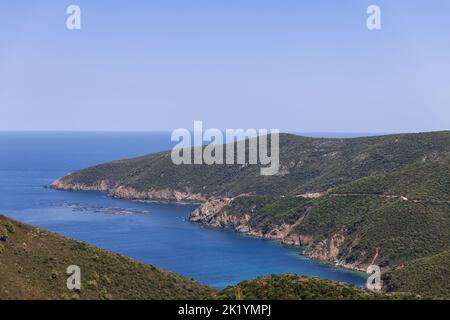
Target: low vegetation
[[293, 287], [427, 276], [33, 265], [427, 181]]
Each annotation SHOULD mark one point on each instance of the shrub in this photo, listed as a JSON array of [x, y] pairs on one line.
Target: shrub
[[3, 235], [107, 279], [104, 295], [92, 284], [55, 274], [10, 227]]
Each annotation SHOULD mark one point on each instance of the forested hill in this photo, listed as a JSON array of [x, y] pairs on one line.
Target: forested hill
[[293, 287], [307, 165]]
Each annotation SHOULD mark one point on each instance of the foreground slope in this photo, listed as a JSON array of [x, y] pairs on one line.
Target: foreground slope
[[293, 287], [33, 265]]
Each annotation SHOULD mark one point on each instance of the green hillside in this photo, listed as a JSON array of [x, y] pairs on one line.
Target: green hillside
[[401, 230], [33, 265], [427, 276], [292, 287], [428, 180], [307, 165]]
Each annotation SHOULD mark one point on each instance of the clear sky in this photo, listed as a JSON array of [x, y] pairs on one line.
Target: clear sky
[[285, 64]]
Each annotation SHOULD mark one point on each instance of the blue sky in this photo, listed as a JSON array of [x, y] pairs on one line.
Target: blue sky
[[160, 65]]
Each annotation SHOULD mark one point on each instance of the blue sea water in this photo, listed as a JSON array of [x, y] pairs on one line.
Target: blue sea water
[[153, 233]]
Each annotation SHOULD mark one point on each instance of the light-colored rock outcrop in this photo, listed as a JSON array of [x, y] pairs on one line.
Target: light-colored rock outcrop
[[213, 213], [130, 193], [101, 186]]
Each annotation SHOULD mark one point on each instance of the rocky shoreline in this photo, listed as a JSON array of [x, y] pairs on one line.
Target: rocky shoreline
[[212, 213], [129, 193]]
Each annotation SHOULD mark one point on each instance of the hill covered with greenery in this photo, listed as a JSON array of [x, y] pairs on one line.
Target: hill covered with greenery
[[33, 264], [306, 165], [293, 287], [428, 181], [428, 275]]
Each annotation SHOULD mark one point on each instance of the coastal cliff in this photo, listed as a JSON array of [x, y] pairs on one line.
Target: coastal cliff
[[213, 213], [130, 193], [217, 213]]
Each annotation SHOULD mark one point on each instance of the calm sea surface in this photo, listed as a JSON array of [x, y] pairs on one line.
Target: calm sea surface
[[152, 233]]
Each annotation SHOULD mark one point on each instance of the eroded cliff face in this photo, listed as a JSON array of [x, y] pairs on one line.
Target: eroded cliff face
[[130, 193], [101, 186], [156, 195], [327, 249], [214, 213], [332, 250]]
